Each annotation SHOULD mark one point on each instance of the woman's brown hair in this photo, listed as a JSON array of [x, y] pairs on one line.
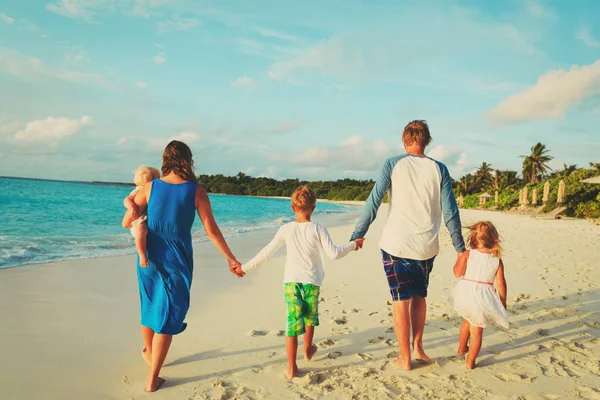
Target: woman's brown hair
[[484, 235], [177, 158]]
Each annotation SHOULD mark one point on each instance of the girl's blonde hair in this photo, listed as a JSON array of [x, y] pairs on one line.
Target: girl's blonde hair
[[304, 198], [483, 234], [145, 174]]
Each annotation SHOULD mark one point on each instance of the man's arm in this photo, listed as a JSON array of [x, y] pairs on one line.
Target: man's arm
[[450, 211], [369, 212]]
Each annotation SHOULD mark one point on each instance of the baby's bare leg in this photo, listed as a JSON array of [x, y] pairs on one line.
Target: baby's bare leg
[[141, 230], [463, 338], [474, 346]]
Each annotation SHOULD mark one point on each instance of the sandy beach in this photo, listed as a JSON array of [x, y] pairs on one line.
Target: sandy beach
[[70, 329]]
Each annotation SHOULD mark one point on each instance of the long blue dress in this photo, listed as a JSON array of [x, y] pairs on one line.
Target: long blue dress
[[165, 284]]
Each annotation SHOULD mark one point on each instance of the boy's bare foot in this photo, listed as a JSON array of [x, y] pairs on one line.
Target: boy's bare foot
[[146, 355], [144, 261], [291, 373], [462, 352], [420, 354], [154, 386], [402, 363], [469, 364], [308, 355]]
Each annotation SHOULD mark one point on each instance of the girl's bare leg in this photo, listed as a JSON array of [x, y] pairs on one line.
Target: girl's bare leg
[[309, 348], [160, 348], [147, 336], [463, 338], [474, 346], [291, 345], [140, 243]]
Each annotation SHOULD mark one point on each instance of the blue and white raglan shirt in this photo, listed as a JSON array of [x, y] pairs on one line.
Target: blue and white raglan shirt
[[420, 193]]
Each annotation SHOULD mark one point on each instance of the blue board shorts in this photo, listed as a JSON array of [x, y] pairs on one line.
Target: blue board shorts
[[406, 277]]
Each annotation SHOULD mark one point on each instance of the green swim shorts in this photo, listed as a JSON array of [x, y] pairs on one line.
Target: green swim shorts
[[302, 306]]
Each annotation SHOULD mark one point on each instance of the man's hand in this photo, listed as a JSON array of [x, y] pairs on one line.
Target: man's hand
[[236, 268], [359, 243]]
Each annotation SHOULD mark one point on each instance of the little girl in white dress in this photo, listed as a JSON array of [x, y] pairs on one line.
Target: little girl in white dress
[[475, 297]]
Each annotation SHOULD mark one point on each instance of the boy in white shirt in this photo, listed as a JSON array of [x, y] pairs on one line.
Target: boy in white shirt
[[304, 272]]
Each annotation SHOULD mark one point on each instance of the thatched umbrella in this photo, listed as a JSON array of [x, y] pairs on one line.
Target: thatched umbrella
[[525, 196], [595, 179], [483, 198], [460, 200], [534, 197], [561, 192], [546, 192], [496, 195]]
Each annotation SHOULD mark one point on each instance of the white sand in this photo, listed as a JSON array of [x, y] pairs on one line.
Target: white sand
[[69, 330]]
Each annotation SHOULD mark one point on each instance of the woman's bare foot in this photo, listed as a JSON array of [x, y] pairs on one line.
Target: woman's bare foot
[[146, 355], [420, 355], [291, 373], [154, 386], [308, 354], [402, 363]]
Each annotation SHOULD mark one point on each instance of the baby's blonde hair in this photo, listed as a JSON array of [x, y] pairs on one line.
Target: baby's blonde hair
[[145, 174], [483, 234], [304, 198]]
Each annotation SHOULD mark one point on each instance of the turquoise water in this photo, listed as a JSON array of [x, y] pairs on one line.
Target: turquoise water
[[43, 221]]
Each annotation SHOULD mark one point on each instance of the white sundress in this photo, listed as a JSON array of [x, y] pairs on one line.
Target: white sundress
[[475, 297]]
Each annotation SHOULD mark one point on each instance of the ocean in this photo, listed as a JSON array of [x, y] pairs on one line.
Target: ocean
[[43, 221]]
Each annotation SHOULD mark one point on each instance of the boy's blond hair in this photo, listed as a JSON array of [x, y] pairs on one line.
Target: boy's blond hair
[[304, 198], [483, 234], [145, 174]]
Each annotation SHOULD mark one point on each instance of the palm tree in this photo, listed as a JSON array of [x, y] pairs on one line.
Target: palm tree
[[536, 164], [483, 175], [466, 185], [596, 166], [566, 171]]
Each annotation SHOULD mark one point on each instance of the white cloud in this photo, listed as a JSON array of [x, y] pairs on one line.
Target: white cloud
[[454, 158], [51, 129], [585, 35], [23, 65], [271, 172], [244, 81], [7, 19], [550, 98], [249, 170], [271, 33], [286, 127], [121, 141], [539, 10], [177, 23], [142, 85], [160, 58], [187, 137], [86, 10]]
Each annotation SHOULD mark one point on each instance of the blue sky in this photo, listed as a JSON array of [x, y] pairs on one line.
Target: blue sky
[[93, 88]]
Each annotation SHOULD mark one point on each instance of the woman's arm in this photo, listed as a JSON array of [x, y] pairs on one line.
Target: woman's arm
[[501, 283], [334, 252], [212, 230], [460, 266], [265, 253], [140, 202]]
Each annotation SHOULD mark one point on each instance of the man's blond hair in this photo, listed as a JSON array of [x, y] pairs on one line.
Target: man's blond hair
[[416, 132], [304, 198], [145, 174]]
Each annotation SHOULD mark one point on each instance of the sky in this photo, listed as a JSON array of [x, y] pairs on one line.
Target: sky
[[91, 89]]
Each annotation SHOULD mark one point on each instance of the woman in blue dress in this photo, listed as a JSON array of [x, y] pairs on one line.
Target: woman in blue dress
[[170, 204]]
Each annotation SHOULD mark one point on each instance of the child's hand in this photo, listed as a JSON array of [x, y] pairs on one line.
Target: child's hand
[[359, 243]]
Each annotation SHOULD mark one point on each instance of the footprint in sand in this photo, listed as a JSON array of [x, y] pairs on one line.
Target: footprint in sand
[[543, 332], [257, 370], [327, 343], [351, 311], [377, 339], [373, 313], [391, 342], [334, 354], [277, 332], [339, 321], [390, 330], [385, 322], [254, 333], [393, 354], [363, 356], [509, 377]]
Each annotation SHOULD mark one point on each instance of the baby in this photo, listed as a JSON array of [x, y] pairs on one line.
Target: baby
[[139, 229]]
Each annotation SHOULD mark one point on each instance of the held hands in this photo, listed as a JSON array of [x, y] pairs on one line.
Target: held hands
[[236, 268], [359, 243]]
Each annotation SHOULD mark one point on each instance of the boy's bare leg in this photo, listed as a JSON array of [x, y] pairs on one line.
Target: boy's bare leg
[[160, 348], [291, 345], [401, 311], [147, 336], [309, 347], [140, 243], [418, 313], [474, 346], [463, 338]]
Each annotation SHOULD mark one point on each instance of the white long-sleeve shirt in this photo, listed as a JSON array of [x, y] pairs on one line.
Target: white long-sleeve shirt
[[305, 242]]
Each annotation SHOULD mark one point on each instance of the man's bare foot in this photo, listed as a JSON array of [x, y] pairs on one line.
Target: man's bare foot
[[402, 363], [308, 354], [154, 386], [146, 355], [291, 373], [144, 261], [420, 355]]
